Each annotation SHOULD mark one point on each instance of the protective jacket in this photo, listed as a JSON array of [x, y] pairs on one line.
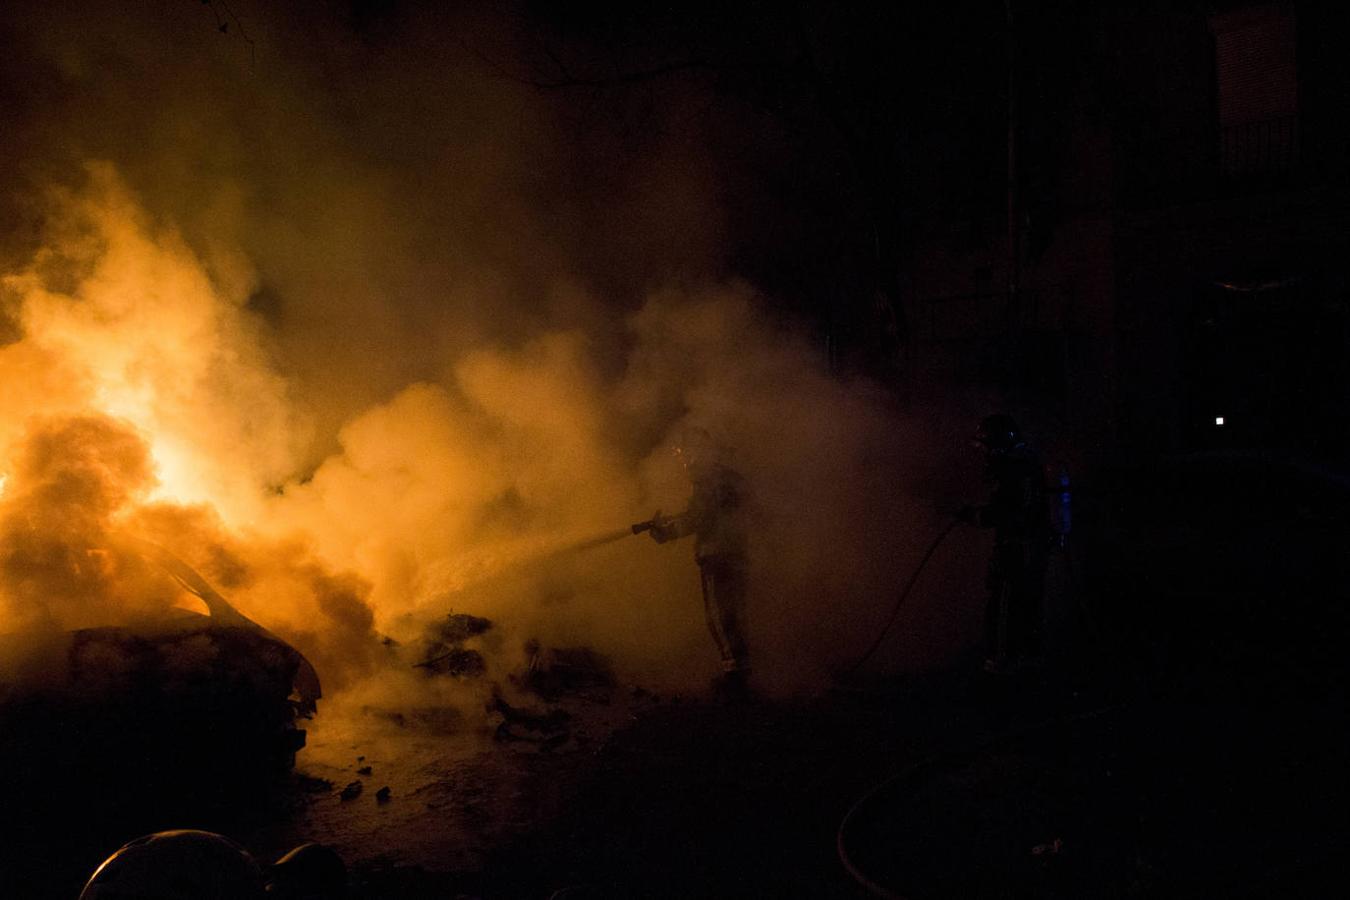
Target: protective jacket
[[715, 516]]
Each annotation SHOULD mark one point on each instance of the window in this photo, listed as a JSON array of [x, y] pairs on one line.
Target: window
[[1258, 90]]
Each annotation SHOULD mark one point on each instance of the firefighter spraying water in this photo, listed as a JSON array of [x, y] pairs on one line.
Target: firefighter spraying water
[[715, 516]]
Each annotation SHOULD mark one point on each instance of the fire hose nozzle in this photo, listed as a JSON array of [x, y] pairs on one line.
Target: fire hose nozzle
[[648, 525]]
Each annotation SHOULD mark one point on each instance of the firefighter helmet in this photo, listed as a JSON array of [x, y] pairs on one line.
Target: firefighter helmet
[[177, 865], [696, 450], [999, 433], [309, 872]]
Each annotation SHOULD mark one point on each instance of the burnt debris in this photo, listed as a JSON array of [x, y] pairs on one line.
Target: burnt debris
[[445, 653], [552, 673]]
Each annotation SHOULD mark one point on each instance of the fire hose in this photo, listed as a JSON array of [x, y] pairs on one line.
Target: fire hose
[[852, 867], [904, 595]]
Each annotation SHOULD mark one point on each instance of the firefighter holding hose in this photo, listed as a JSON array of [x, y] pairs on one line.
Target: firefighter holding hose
[[1019, 516], [716, 517]]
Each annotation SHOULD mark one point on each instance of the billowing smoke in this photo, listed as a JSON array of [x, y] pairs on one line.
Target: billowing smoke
[[363, 338], [71, 479]]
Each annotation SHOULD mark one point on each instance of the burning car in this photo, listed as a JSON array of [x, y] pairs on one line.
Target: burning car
[[174, 703]]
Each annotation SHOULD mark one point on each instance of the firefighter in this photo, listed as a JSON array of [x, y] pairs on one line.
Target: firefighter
[[716, 518], [178, 865], [309, 872], [1019, 516], [187, 864]]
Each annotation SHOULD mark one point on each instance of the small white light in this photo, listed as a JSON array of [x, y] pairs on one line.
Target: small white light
[[1218, 420]]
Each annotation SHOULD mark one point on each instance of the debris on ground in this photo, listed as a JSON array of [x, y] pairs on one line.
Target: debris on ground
[[383, 794], [432, 719], [548, 730], [364, 770], [351, 791], [555, 741], [555, 672], [444, 652], [459, 627], [309, 784], [505, 734], [544, 722], [455, 662]]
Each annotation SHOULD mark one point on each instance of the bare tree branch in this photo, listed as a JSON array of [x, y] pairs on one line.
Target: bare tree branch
[[223, 26]]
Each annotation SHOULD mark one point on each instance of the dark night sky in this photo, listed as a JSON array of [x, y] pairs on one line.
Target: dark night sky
[[803, 128]]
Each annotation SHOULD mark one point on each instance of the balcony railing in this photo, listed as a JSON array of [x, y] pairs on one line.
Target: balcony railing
[[960, 317], [1266, 147]]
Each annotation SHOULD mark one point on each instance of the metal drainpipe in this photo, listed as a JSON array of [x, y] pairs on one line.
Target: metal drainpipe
[[1014, 236]]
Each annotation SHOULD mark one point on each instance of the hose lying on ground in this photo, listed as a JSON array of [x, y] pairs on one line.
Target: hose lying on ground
[[904, 595], [911, 771]]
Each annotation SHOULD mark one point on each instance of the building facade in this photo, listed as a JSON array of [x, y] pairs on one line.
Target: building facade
[[1177, 283]]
